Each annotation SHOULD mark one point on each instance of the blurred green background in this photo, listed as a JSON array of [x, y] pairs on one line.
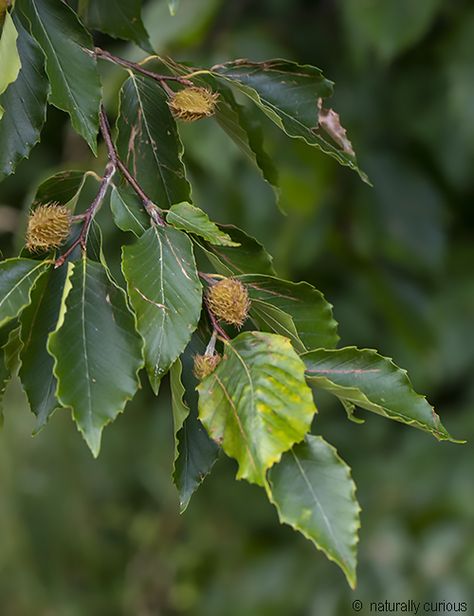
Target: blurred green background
[[97, 538]]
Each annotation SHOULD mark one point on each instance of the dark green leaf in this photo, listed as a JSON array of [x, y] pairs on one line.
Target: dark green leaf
[[246, 133], [311, 313], [249, 257], [191, 219], [72, 72], [268, 318], [256, 403], [314, 493], [149, 143], [96, 350], [165, 292], [197, 453], [119, 18], [17, 277], [128, 211], [38, 320], [288, 93], [61, 187], [25, 104], [372, 382]]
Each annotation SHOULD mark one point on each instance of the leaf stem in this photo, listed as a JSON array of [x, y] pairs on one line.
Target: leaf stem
[[162, 79], [152, 209], [215, 323], [89, 214]]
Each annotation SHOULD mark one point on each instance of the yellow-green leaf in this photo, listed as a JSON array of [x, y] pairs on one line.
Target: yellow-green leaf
[[256, 403]]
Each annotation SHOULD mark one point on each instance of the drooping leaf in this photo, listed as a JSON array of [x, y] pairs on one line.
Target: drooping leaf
[[372, 382], [311, 313], [197, 453], [249, 257], [166, 294], [256, 403], [191, 219], [17, 277], [72, 72], [38, 320], [128, 211], [313, 492], [120, 19], [10, 62], [25, 103], [149, 143], [247, 134], [288, 94], [96, 349]]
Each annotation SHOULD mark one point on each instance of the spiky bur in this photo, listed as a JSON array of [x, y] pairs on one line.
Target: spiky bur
[[48, 227], [229, 301], [193, 103], [204, 365]]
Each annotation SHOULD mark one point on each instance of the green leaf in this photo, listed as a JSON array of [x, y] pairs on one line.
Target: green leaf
[[25, 103], [180, 409], [268, 318], [197, 453], [120, 19], [61, 187], [72, 72], [191, 219], [256, 403], [9, 347], [173, 6], [38, 320], [96, 350], [17, 277], [128, 212], [288, 94], [313, 492], [372, 382], [165, 292], [10, 62], [249, 257], [310, 312], [149, 143], [247, 134]]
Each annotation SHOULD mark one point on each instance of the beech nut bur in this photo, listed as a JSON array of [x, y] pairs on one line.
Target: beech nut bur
[[193, 103], [48, 227], [229, 301]]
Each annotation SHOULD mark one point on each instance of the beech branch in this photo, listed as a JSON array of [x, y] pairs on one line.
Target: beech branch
[[89, 214], [150, 207], [138, 68]]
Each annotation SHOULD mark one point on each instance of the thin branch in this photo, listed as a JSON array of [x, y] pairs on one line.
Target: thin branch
[[89, 214], [162, 79], [148, 204], [215, 323]]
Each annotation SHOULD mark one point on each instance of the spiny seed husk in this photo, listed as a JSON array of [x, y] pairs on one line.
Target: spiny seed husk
[[193, 103], [48, 227], [204, 365], [229, 300]]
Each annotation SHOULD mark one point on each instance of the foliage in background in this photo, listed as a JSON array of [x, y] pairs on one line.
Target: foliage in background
[[370, 261]]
